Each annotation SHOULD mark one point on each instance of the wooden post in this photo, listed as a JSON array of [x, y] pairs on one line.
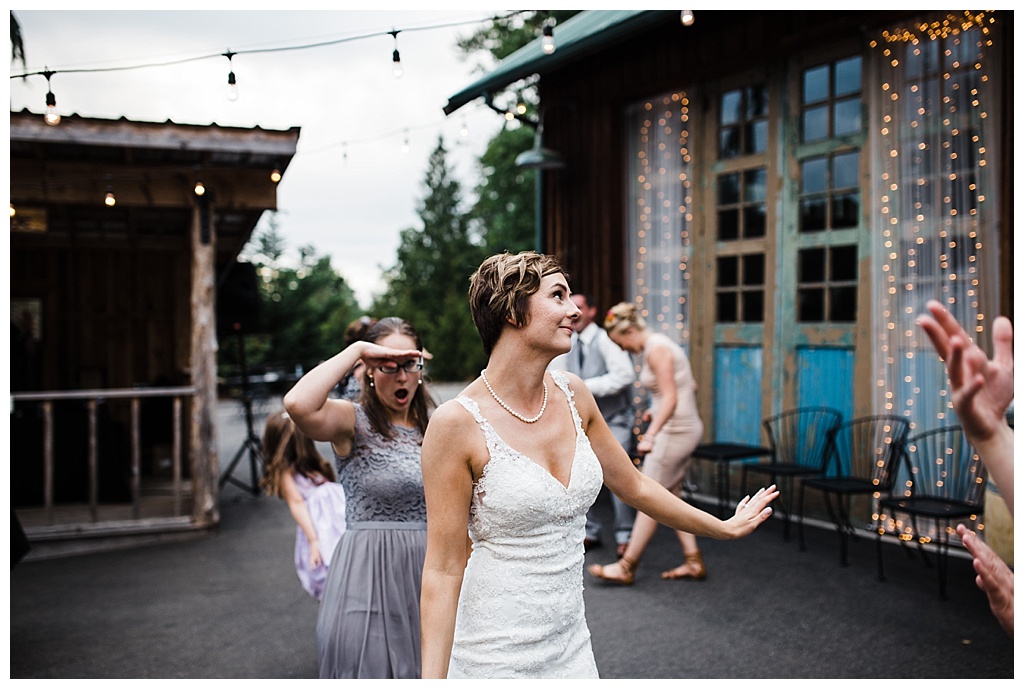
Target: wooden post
[[203, 445]]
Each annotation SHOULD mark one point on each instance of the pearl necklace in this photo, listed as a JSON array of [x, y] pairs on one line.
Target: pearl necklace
[[543, 406]]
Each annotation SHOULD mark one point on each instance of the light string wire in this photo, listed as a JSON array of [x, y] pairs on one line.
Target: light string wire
[[253, 51]]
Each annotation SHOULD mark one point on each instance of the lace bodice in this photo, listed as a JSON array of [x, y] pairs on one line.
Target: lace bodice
[[521, 610], [382, 477]]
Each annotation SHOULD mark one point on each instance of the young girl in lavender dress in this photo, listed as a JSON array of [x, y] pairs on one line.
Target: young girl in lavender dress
[[298, 474]]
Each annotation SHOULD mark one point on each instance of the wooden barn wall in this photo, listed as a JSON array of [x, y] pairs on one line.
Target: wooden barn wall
[[112, 317], [584, 103]]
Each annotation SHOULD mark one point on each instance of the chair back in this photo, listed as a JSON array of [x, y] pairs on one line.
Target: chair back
[[940, 463], [869, 448], [800, 436]]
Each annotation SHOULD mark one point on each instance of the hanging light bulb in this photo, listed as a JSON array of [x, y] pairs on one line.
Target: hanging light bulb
[[275, 175], [396, 59], [199, 188], [51, 116], [686, 17], [232, 91], [548, 43], [13, 212], [464, 132], [109, 199]]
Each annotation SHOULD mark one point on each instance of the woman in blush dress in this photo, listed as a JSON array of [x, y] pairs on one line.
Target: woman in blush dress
[[674, 431], [515, 461], [368, 625]]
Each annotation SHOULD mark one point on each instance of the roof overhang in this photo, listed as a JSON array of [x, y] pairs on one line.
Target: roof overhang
[[574, 39]]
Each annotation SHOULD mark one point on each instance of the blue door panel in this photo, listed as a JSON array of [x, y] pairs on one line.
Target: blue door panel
[[737, 393]]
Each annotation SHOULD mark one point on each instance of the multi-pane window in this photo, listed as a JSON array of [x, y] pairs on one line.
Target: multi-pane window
[[744, 122], [830, 192], [831, 102], [827, 284], [742, 200], [740, 288]]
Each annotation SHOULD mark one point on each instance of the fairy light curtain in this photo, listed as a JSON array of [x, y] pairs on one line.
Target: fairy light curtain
[[935, 211], [659, 212]]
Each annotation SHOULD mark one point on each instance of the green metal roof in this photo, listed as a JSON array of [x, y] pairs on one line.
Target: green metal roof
[[578, 36]]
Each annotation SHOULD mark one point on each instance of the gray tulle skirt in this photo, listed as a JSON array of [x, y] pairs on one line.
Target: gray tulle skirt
[[369, 621]]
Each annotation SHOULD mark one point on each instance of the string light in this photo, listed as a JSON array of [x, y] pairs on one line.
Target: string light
[[275, 175], [109, 198], [199, 187], [13, 212], [548, 42], [686, 17], [52, 117], [396, 59], [232, 91]]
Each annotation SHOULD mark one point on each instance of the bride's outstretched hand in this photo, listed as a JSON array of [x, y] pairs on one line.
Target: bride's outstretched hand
[[752, 511]]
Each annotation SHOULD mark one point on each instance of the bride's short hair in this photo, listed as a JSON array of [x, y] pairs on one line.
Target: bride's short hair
[[501, 287]]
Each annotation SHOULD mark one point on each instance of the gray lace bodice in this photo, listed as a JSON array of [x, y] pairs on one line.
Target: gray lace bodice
[[382, 478]]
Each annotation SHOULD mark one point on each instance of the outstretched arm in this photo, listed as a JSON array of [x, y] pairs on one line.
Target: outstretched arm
[[981, 389], [994, 577], [650, 497]]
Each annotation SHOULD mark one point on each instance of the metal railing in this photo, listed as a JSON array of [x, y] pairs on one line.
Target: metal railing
[[92, 399]]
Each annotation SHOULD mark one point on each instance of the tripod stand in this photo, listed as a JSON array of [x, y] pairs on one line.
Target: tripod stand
[[251, 445]]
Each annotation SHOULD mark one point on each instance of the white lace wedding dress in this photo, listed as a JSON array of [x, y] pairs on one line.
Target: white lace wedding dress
[[521, 609]]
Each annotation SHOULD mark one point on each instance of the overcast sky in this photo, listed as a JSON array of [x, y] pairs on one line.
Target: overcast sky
[[350, 189]]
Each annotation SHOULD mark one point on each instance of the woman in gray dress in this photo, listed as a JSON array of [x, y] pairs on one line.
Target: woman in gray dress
[[368, 625]]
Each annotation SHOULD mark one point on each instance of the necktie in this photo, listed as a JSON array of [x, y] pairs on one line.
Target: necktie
[[579, 353]]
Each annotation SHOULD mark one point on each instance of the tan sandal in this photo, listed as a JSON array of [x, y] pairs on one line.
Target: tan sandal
[[626, 566], [692, 568]]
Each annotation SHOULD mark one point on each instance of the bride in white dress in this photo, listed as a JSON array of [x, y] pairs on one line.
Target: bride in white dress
[[515, 462]]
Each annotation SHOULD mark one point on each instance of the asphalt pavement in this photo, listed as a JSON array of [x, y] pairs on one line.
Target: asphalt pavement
[[229, 605]]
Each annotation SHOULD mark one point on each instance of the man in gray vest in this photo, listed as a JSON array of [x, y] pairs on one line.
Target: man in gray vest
[[608, 373]]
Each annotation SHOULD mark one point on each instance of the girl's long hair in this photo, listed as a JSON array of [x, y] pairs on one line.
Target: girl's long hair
[[286, 448], [422, 402]]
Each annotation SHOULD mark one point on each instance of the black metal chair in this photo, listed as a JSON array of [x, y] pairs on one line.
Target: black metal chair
[[862, 459], [945, 483], [798, 439]]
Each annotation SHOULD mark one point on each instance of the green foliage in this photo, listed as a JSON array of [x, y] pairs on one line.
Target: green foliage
[[506, 198], [427, 284], [304, 309]]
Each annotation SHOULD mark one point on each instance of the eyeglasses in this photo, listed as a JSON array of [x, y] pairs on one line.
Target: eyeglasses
[[410, 366]]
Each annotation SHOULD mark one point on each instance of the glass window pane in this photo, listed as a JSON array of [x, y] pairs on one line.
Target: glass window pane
[[753, 221], [815, 84], [754, 183], [731, 104], [729, 189], [815, 123], [847, 117], [753, 306], [842, 304], [848, 76], [846, 171], [810, 266], [757, 141], [757, 101], [814, 175], [812, 214], [810, 306], [728, 272], [727, 307], [753, 269], [846, 210], [843, 263], [728, 224], [729, 142]]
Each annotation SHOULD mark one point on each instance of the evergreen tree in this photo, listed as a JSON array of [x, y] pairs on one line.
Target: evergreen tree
[[428, 283]]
